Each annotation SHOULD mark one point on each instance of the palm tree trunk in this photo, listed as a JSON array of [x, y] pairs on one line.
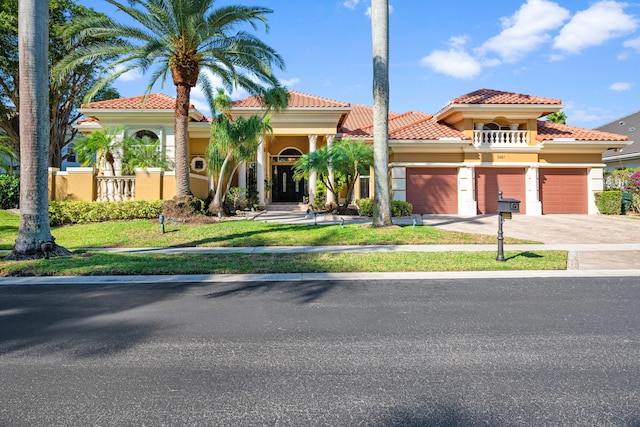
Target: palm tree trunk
[[183, 99], [380, 41], [216, 203], [34, 234]]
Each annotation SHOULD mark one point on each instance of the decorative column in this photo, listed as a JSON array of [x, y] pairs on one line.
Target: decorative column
[[260, 176], [312, 176], [242, 175], [331, 198]]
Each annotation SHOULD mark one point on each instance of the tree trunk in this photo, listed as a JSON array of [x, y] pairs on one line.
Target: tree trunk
[[380, 41], [183, 96], [34, 234], [216, 203]]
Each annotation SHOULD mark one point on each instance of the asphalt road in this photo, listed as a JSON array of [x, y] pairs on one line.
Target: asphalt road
[[497, 352]]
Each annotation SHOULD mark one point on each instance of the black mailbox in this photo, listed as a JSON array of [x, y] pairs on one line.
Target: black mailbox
[[508, 205]]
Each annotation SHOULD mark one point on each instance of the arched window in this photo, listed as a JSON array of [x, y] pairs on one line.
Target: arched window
[[146, 133], [289, 155]]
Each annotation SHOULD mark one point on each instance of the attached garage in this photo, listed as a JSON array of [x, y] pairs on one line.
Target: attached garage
[[563, 191], [511, 181], [433, 190]]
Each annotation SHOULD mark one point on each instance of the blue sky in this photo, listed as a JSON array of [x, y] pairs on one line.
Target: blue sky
[[586, 53]]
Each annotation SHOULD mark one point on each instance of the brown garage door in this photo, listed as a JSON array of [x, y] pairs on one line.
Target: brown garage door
[[511, 181], [433, 190], [563, 191]]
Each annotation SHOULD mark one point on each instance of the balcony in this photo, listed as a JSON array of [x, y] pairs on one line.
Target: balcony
[[500, 138]]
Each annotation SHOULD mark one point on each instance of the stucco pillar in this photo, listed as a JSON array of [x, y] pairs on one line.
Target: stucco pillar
[[331, 198], [467, 205], [312, 176], [242, 175], [595, 183], [532, 194], [260, 176], [399, 183]]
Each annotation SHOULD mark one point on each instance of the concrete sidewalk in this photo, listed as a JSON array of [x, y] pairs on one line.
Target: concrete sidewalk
[[598, 245]]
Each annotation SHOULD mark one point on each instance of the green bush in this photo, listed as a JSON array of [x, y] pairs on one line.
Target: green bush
[[9, 191], [74, 212], [609, 202], [398, 208]]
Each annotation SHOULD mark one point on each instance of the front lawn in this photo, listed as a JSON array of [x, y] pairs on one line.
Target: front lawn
[[236, 233]]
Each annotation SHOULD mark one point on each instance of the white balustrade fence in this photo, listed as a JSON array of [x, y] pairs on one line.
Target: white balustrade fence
[[115, 188], [501, 138]]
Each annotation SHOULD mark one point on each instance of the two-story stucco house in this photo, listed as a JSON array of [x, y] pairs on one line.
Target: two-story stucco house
[[452, 162]]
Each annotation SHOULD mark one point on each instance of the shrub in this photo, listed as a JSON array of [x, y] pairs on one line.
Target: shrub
[[609, 202], [9, 191], [76, 212], [398, 207]]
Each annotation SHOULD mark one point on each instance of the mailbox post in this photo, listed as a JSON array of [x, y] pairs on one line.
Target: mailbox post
[[506, 207]]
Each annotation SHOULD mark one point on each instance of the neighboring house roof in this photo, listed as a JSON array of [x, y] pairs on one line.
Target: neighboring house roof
[[296, 100], [154, 101], [548, 131], [627, 125], [489, 96]]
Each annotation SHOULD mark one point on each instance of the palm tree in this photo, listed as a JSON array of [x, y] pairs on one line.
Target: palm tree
[[557, 117], [380, 41], [8, 156], [348, 158], [184, 38], [237, 140], [98, 148], [34, 233]]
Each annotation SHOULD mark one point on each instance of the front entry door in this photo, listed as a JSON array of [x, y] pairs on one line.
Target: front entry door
[[284, 188]]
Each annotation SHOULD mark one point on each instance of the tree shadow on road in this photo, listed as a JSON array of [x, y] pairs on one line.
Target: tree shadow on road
[[78, 321]]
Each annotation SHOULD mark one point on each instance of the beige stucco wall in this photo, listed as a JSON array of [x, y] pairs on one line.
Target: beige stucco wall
[[571, 158], [148, 184], [75, 184]]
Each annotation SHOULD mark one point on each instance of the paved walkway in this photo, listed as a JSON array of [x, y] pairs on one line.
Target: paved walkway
[[598, 245]]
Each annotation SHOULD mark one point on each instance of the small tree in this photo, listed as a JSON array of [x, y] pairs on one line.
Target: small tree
[[98, 148], [348, 159], [142, 153], [557, 117]]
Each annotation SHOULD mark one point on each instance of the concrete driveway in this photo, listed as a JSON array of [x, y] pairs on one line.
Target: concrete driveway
[[548, 229]]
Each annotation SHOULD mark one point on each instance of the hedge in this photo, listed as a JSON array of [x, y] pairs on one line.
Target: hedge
[[75, 212], [398, 208], [9, 191], [609, 202]]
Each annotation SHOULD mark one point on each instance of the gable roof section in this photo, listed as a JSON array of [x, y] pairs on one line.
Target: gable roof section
[[548, 131], [154, 101], [496, 97], [296, 100], [412, 125]]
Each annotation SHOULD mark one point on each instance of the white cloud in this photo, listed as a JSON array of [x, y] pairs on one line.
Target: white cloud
[[351, 4], [633, 44], [290, 82], [129, 76], [454, 62], [620, 86], [527, 29], [603, 21]]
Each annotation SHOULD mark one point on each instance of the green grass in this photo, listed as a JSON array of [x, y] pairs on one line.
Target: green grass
[[146, 233], [101, 263], [238, 233]]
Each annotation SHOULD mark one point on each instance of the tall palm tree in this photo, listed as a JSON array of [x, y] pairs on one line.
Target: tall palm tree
[[557, 117], [380, 42], [237, 140], [190, 39], [34, 234]]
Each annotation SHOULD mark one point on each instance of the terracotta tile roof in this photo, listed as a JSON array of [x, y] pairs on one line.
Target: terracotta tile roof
[[412, 125], [360, 117], [154, 101], [488, 96], [296, 100], [548, 131], [87, 120]]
